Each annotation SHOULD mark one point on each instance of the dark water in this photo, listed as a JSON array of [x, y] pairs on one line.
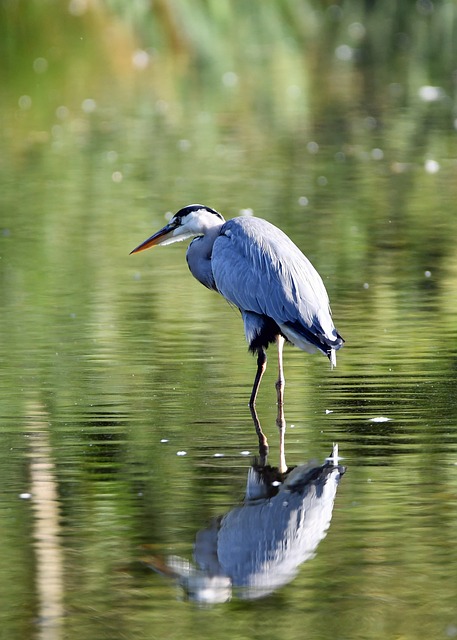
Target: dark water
[[124, 384]]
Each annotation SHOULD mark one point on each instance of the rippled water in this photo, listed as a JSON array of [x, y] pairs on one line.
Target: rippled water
[[126, 430]]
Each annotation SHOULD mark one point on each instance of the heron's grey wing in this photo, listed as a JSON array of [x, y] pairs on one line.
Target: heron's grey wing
[[260, 270]]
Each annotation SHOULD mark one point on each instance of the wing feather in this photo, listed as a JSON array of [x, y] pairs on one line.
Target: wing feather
[[259, 269]]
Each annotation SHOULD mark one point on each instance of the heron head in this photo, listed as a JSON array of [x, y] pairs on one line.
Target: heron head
[[190, 221]]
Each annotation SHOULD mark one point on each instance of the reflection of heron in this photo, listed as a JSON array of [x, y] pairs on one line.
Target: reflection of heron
[[258, 547], [256, 267]]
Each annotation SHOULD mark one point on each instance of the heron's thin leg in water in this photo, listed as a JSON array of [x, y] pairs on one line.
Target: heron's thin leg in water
[[261, 366], [280, 420], [280, 382], [263, 442]]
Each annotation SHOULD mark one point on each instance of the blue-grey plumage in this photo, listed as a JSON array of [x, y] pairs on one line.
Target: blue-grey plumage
[[258, 546], [258, 268]]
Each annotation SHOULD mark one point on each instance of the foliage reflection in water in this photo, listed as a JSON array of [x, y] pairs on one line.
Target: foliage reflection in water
[[258, 547]]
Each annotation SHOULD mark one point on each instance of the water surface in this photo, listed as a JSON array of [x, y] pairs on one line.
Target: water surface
[[124, 383]]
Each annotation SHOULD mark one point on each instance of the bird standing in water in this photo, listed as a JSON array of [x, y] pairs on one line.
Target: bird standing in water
[[258, 268]]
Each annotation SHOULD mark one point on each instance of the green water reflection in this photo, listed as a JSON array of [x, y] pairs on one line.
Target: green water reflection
[[335, 122]]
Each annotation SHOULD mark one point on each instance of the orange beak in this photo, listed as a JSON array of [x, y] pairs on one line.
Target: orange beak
[[157, 238]]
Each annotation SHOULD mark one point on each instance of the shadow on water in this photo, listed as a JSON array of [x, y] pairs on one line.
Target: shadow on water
[[258, 546]]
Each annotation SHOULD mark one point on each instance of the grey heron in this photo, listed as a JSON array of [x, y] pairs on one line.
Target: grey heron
[[257, 268], [258, 546]]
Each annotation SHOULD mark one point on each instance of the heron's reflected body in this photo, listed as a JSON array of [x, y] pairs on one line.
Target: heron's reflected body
[[258, 546]]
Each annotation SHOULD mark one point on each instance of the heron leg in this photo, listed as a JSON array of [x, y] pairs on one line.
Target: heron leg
[[263, 442], [280, 419], [261, 366], [280, 382]]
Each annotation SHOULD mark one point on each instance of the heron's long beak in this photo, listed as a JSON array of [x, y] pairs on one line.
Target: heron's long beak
[[157, 238]]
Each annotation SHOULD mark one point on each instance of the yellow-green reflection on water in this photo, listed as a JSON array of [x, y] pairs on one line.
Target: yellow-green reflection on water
[[113, 114]]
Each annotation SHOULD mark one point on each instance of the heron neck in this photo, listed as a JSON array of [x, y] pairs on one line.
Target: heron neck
[[211, 227], [199, 256]]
